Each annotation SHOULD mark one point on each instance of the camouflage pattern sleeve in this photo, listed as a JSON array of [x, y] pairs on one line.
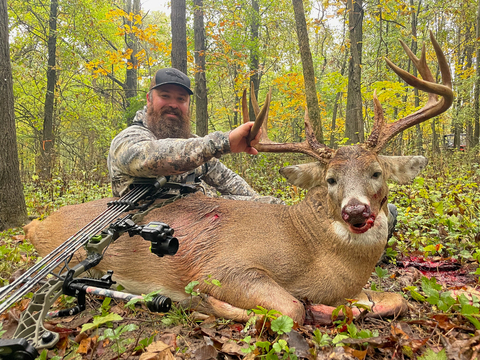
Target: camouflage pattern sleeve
[[136, 152], [232, 186], [226, 181]]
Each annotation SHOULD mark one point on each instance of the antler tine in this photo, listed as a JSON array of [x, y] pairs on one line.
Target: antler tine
[[420, 64], [245, 116], [260, 118], [256, 108], [310, 146], [381, 134]]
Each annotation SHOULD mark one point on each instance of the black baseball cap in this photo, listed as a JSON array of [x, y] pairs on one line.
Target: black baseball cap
[[171, 76]]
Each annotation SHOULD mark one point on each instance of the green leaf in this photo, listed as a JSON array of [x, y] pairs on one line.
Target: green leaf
[[265, 345], [337, 340], [430, 286], [282, 324], [445, 301], [189, 289], [100, 320], [352, 330], [433, 299], [321, 339], [280, 345], [415, 294], [127, 328], [419, 181], [468, 309], [474, 321], [381, 273], [216, 283], [463, 299], [432, 355]]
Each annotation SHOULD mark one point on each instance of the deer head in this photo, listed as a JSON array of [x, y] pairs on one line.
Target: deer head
[[356, 175]]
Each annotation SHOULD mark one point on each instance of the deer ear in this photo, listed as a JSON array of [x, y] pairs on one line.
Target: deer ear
[[402, 169], [305, 176]]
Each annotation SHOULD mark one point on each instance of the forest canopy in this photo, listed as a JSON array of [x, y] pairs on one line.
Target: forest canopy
[[105, 54]]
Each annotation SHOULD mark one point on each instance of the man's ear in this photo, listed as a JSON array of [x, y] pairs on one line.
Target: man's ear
[[402, 169], [305, 176], [149, 100]]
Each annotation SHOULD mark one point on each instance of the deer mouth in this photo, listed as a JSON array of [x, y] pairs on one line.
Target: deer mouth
[[360, 228]]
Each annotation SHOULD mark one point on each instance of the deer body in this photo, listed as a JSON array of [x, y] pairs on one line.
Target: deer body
[[270, 255]]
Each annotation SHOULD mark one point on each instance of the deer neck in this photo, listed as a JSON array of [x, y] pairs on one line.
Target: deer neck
[[315, 219], [310, 216]]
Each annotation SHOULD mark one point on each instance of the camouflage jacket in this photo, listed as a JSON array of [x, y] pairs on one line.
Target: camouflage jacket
[[137, 153]]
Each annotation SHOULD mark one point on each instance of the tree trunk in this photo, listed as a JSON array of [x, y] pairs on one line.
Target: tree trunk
[[469, 50], [476, 130], [254, 53], [13, 211], [419, 140], [133, 6], [179, 35], [201, 102], [308, 72], [333, 144], [47, 148], [354, 116]]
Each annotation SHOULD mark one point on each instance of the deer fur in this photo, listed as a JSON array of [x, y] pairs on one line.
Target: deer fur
[[270, 255]]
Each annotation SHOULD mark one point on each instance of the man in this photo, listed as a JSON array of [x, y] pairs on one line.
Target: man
[[160, 143]]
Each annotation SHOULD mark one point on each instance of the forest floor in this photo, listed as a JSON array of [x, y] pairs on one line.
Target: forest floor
[[425, 332], [432, 260]]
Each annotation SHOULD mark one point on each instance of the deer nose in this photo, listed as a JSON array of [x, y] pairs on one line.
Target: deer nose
[[356, 213]]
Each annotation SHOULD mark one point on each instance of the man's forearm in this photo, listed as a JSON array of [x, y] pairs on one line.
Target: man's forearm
[[140, 156]]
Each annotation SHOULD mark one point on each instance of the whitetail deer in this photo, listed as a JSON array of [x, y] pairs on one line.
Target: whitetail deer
[[323, 249]]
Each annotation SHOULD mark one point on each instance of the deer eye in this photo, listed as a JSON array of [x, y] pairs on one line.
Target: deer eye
[[331, 181], [376, 174]]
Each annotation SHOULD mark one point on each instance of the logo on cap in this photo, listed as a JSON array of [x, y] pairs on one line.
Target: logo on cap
[[173, 73]]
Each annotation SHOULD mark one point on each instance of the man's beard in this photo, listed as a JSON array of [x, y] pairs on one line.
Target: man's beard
[[164, 127]]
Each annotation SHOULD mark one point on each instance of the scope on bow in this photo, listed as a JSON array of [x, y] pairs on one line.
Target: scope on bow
[[160, 235]]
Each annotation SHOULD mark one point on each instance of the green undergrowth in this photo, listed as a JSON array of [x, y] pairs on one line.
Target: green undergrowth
[[42, 198], [262, 173], [439, 214]]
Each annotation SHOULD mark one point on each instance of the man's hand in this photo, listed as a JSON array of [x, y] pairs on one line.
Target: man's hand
[[238, 139]]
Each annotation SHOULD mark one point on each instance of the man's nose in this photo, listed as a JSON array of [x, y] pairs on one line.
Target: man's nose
[[172, 103]]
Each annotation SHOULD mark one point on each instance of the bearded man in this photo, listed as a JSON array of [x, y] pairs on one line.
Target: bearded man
[[159, 143]]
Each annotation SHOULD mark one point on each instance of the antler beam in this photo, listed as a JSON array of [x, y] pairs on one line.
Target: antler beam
[[382, 132]]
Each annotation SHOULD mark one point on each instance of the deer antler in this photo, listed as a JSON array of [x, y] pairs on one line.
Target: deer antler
[[383, 132], [310, 146]]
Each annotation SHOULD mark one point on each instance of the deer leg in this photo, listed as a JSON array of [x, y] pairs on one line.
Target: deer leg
[[206, 304], [382, 304], [245, 292]]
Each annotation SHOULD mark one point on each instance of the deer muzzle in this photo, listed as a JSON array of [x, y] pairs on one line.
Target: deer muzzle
[[358, 216]]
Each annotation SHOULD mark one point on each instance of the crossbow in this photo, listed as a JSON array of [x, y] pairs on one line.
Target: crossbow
[[31, 336]]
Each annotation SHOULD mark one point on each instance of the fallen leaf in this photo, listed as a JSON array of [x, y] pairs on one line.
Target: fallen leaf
[[360, 354], [169, 339], [232, 348], [84, 346], [205, 353], [157, 351], [297, 341]]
